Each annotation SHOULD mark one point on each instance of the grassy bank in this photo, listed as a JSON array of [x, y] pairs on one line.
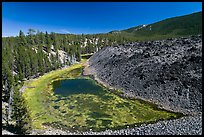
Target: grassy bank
[[38, 97]]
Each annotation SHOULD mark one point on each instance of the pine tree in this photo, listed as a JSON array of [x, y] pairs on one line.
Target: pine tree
[[42, 38], [78, 53], [37, 38], [22, 39], [31, 40], [34, 62], [20, 72], [47, 42], [21, 114]]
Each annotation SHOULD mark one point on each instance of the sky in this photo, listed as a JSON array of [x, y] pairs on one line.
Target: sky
[[87, 17]]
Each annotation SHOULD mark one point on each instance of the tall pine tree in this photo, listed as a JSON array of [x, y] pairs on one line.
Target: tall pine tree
[[22, 40], [21, 114]]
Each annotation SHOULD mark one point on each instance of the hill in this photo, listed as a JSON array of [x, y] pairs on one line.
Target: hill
[[190, 24]]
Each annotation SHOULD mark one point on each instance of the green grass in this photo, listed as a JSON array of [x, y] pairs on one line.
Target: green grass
[[38, 97], [86, 111]]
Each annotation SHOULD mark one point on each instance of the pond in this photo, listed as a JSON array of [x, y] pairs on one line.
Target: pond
[[82, 104], [76, 86]]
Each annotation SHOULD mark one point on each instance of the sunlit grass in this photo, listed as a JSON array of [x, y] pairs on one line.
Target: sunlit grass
[[37, 97]]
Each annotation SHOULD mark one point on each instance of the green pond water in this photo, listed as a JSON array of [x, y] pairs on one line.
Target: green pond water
[[82, 104], [77, 86]]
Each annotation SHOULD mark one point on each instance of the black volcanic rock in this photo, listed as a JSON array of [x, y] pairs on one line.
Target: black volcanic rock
[[168, 72]]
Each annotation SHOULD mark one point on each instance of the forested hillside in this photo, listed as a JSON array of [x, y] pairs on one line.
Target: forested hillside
[[171, 27]]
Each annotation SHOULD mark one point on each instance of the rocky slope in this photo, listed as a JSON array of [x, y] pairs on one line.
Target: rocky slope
[[167, 72]]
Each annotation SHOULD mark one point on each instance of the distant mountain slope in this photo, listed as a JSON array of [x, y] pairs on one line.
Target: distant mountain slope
[[190, 24]]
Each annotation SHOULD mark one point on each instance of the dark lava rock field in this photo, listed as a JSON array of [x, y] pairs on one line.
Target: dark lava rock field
[[166, 72]]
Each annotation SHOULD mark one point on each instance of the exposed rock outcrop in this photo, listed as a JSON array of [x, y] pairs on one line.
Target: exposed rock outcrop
[[167, 72]]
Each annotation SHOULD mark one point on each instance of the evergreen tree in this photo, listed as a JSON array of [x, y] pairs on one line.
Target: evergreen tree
[[20, 72], [33, 63], [78, 53], [40, 57], [31, 40], [47, 42], [21, 114], [22, 39], [37, 38], [42, 38]]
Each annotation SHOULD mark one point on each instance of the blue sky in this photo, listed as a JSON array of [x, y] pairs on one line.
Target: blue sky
[[87, 17]]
